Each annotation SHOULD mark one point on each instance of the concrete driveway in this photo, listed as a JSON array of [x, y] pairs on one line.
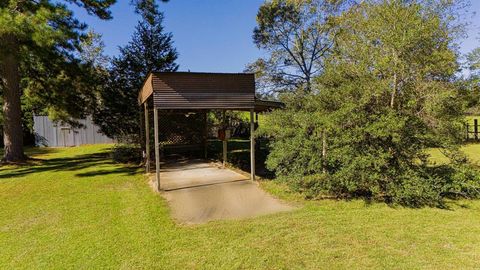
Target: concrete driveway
[[199, 191]]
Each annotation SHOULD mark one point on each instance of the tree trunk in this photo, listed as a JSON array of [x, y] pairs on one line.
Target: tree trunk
[[141, 114], [308, 84], [324, 151], [12, 126], [394, 90]]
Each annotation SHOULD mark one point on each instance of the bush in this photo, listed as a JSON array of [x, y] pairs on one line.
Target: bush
[[127, 153], [464, 182], [376, 155]]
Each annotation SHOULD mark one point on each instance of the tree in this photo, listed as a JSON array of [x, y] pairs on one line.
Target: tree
[[387, 95], [151, 49], [473, 62], [39, 44], [469, 84], [298, 36], [42, 33], [92, 51]]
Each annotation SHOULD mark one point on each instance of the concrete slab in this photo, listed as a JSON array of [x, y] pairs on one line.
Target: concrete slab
[[234, 200], [189, 173], [199, 191]]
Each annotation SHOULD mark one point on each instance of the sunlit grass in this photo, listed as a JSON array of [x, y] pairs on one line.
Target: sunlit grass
[[472, 151], [470, 118], [78, 209]]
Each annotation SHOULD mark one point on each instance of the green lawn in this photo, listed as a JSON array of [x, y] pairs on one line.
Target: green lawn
[[469, 118], [471, 150], [77, 209]]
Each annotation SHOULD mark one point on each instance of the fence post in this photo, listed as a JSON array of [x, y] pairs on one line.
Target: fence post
[[468, 131], [475, 128]]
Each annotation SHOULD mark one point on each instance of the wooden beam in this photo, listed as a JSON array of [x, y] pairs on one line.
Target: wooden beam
[[147, 139], [157, 150], [252, 146]]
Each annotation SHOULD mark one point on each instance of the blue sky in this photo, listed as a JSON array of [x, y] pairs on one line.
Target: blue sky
[[211, 35]]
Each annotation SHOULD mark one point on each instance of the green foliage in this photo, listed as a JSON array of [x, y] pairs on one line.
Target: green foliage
[[39, 67], [151, 49], [385, 97], [296, 148], [41, 63], [92, 51], [45, 40], [471, 84], [127, 153], [473, 59]]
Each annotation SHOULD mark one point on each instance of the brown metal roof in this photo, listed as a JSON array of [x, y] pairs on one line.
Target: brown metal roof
[[200, 90], [192, 90]]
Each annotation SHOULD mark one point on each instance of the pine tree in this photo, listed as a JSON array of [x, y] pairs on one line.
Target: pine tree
[[39, 46], [38, 41], [151, 49]]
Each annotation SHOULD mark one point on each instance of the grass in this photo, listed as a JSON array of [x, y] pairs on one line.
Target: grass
[[471, 150], [75, 208], [470, 118]]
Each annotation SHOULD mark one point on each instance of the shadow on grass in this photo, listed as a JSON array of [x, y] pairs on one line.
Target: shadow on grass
[[123, 170], [72, 164], [36, 151], [31, 151]]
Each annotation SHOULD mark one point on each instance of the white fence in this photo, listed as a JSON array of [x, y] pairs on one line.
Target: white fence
[[48, 133]]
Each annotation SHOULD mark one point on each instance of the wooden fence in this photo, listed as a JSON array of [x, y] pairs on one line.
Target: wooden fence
[[472, 130]]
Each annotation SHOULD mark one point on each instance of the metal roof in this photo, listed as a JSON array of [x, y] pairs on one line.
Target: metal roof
[[202, 90]]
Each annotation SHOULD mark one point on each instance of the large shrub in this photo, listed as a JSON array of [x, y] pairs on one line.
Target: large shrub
[[385, 97]]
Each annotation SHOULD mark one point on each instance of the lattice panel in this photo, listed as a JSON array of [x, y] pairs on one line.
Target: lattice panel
[[181, 129]]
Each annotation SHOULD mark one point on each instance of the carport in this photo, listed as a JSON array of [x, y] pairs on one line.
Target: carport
[[193, 92]]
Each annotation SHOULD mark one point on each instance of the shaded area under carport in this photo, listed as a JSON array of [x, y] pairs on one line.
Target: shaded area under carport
[[186, 173]]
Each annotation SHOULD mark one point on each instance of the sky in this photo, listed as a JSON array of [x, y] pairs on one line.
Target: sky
[[212, 35]]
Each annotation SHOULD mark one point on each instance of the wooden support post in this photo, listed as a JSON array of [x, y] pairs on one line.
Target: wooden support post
[[257, 125], [252, 146], [475, 128], [142, 128], [205, 135], [157, 150], [224, 142], [147, 139]]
